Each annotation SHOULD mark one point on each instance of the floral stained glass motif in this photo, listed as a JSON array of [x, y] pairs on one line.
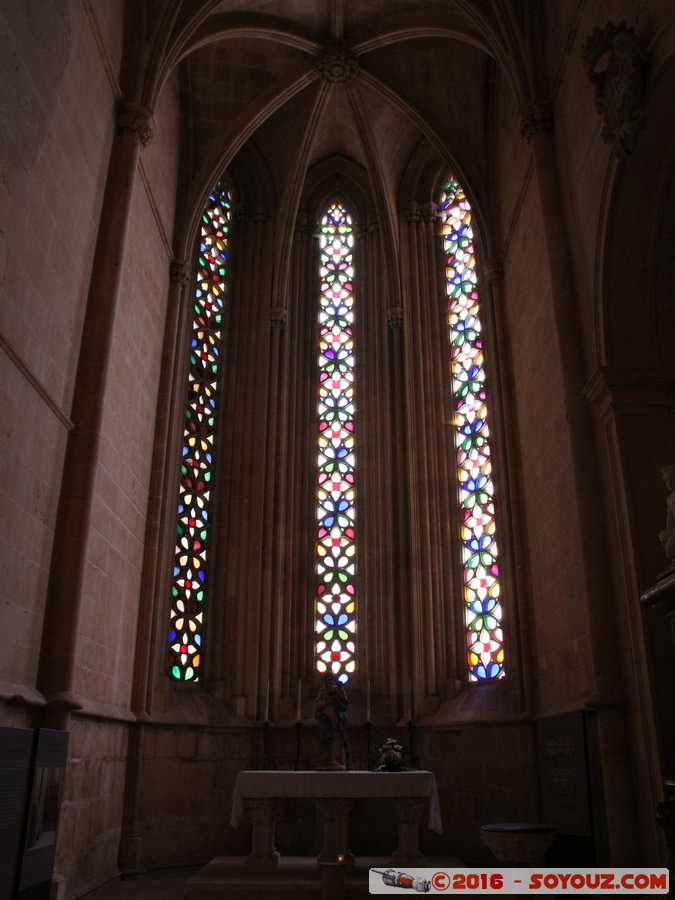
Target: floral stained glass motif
[[483, 614], [190, 573], [335, 547]]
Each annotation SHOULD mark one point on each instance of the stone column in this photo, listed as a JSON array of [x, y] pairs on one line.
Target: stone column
[[334, 813], [608, 696], [263, 853], [409, 814], [293, 394], [135, 128], [241, 516]]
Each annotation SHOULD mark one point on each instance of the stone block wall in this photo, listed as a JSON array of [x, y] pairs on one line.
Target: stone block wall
[[55, 141]]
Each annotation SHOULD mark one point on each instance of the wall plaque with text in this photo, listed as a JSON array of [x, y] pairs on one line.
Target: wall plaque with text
[[563, 774]]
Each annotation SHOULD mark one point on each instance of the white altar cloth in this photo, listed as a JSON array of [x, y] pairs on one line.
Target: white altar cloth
[[256, 784]]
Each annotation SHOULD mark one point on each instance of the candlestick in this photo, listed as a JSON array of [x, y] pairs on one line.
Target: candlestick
[[267, 702], [299, 700], [296, 761], [368, 701]]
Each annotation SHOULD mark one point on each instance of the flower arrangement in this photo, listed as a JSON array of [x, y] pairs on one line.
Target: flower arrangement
[[392, 757]]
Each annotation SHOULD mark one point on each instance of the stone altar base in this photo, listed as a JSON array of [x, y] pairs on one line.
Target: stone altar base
[[228, 878]]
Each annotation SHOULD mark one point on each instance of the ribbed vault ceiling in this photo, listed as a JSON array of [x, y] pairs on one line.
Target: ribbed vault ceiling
[[255, 76]]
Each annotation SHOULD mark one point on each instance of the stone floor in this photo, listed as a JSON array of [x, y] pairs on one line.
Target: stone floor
[[164, 884], [225, 879]]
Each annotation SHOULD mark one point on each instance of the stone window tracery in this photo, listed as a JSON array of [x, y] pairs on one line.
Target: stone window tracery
[[335, 621], [190, 579], [480, 566]]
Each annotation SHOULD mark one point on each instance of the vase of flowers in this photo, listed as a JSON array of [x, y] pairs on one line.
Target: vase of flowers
[[393, 757]]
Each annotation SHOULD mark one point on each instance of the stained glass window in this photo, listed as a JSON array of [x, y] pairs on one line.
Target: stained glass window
[[190, 573], [482, 610], [335, 547]]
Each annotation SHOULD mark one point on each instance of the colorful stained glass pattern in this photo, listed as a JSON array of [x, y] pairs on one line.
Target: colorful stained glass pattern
[[335, 547], [190, 573], [483, 614]]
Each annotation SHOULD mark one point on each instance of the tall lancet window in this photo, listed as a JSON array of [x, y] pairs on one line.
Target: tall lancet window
[[482, 610], [190, 581], [335, 547]]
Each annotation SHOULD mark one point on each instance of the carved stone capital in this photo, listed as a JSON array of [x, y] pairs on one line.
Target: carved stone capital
[[409, 809], [337, 65], [180, 272], [132, 118], [261, 809], [304, 227], [395, 317], [277, 317], [241, 216], [619, 83], [413, 213], [361, 232], [493, 270], [536, 118], [430, 212]]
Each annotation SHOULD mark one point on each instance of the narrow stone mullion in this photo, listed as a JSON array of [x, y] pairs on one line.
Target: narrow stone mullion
[[416, 408], [395, 612]]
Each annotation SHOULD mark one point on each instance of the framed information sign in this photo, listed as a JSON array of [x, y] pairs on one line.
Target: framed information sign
[[44, 803], [16, 750]]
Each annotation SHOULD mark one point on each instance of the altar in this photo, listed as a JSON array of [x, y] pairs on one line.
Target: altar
[[335, 793]]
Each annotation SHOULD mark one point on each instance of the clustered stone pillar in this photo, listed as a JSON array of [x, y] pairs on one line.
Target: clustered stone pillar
[[135, 128], [426, 357], [246, 470]]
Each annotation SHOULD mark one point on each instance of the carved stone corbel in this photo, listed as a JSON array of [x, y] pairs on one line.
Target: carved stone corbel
[[493, 270], [136, 119], [536, 118], [179, 273], [619, 85]]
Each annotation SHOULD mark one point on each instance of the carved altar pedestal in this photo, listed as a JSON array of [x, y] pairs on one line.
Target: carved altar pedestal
[[335, 793]]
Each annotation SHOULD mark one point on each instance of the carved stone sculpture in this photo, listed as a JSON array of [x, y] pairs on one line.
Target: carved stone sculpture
[[337, 65], [331, 712], [619, 85]]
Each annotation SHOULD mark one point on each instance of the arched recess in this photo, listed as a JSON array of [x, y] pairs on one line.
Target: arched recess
[[633, 391], [248, 287], [433, 513], [338, 179], [638, 325]]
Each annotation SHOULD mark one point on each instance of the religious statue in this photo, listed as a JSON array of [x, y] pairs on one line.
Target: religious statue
[[667, 536], [331, 712]]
